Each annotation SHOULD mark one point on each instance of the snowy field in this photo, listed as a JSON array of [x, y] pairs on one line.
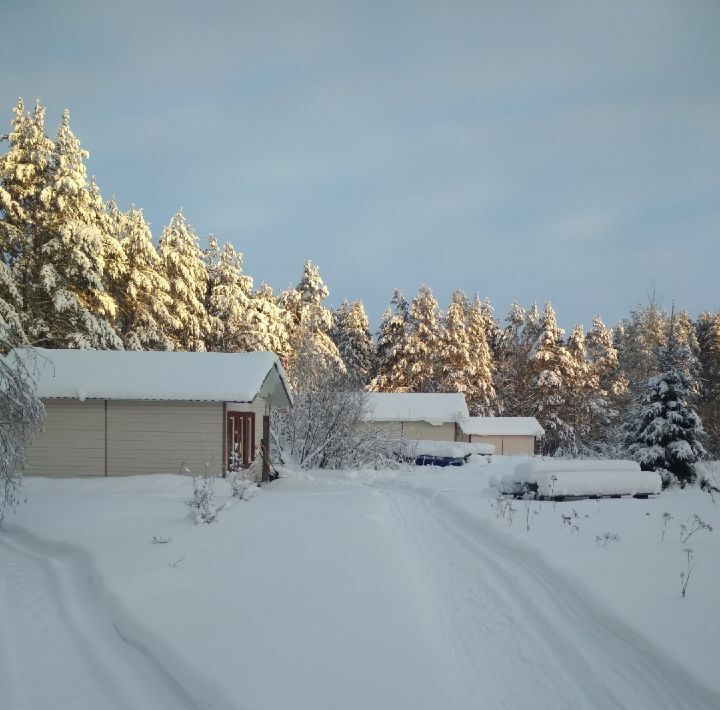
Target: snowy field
[[414, 589]]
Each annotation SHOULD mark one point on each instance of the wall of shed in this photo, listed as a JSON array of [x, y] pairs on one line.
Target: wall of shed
[[164, 437], [424, 431], [73, 441], [508, 445], [142, 437]]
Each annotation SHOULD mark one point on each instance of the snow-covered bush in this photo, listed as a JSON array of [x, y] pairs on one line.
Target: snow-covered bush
[[21, 417], [241, 485], [327, 427], [204, 506]]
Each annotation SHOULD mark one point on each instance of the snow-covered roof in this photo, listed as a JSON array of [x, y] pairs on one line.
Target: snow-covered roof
[[502, 426], [413, 407], [129, 374]]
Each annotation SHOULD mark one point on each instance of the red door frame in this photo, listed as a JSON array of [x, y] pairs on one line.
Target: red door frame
[[246, 420]]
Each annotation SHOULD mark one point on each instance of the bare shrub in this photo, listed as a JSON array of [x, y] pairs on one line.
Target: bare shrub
[[606, 538], [241, 485], [203, 505], [328, 427], [693, 525], [685, 576]]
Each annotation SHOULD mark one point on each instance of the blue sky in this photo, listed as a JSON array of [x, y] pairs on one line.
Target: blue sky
[[525, 151]]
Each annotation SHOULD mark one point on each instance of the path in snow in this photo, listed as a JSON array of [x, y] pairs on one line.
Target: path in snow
[[526, 637], [78, 648]]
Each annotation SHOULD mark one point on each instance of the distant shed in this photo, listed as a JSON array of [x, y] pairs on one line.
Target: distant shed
[[114, 413], [413, 416], [510, 435]]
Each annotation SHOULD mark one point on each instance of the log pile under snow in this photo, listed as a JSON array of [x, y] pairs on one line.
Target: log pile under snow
[[580, 478]]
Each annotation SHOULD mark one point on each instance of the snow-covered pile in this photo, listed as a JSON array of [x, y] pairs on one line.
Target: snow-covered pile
[[451, 449], [587, 477]]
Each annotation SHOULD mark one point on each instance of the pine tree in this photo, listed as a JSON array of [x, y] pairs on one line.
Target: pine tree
[[422, 342], [551, 367], [482, 329], [454, 354], [392, 370], [228, 300], [112, 221], [269, 324], [708, 336], [611, 387], [639, 339], [185, 271], [587, 407], [59, 255], [145, 318], [464, 357], [351, 335], [310, 319], [23, 172], [513, 375], [665, 433]]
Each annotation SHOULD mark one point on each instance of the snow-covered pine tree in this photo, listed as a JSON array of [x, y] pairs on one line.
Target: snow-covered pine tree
[[145, 318], [482, 329], [58, 250], [551, 367], [639, 339], [464, 357], [493, 332], [310, 319], [10, 299], [228, 300], [185, 271], [612, 387], [513, 376], [112, 221], [708, 336], [351, 334], [20, 185], [454, 354], [422, 342], [269, 324], [665, 432], [587, 409], [392, 373]]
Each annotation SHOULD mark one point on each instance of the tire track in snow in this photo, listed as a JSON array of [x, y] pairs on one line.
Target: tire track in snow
[[610, 665], [60, 625]]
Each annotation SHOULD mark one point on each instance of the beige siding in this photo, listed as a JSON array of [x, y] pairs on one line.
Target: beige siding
[[413, 431], [515, 445], [164, 437], [496, 441], [508, 445], [73, 441]]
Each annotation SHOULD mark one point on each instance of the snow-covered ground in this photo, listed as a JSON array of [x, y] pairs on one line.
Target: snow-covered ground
[[406, 589]]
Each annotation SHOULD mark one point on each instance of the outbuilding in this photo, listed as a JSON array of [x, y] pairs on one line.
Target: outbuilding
[[509, 435], [116, 413], [418, 416]]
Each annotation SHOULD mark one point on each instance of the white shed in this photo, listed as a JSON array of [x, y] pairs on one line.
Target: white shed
[[509, 435], [114, 413]]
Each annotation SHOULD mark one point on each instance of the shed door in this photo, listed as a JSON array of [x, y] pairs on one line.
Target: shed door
[[240, 439]]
